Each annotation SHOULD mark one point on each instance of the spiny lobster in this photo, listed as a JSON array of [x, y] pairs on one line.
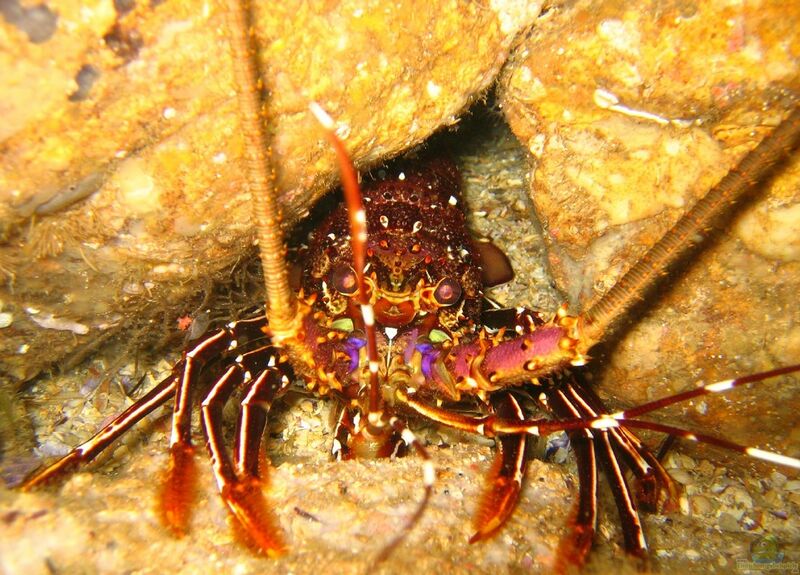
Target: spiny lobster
[[391, 325]]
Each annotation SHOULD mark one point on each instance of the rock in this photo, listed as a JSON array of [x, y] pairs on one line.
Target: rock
[[121, 181], [630, 113]]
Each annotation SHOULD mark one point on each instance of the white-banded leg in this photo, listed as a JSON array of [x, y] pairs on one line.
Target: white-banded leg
[[180, 484], [655, 489], [252, 421], [504, 482], [179, 488], [568, 399], [91, 448], [343, 430], [242, 496], [574, 548], [609, 431]]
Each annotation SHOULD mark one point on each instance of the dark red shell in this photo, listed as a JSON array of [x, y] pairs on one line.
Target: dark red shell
[[416, 230]]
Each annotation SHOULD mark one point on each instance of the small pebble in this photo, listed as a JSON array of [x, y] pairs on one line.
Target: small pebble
[[742, 497], [793, 485], [706, 467], [700, 505], [727, 522], [778, 478], [681, 476], [749, 523], [692, 554], [6, 319]]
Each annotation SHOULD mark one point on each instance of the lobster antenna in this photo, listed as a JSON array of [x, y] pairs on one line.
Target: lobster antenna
[[358, 239], [707, 389], [752, 170], [626, 418], [609, 421], [252, 96], [491, 425], [428, 479]]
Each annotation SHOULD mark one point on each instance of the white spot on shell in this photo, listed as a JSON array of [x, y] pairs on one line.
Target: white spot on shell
[[384, 221]]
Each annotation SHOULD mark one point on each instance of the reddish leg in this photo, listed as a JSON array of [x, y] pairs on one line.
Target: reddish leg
[[177, 384], [242, 494], [505, 478], [609, 443], [575, 548], [252, 421], [655, 488], [179, 487], [90, 449], [345, 428]]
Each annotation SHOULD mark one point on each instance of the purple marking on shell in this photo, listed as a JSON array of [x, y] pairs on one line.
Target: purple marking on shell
[[429, 355], [353, 345]]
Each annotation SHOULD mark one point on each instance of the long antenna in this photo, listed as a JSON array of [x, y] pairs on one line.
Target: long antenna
[[752, 170], [252, 95]]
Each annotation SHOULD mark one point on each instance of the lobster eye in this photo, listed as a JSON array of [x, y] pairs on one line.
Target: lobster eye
[[447, 292], [343, 279]]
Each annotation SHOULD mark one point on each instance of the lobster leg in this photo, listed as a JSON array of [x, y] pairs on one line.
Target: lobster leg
[[505, 479], [491, 425], [252, 421], [608, 443], [179, 486], [575, 548], [90, 449], [614, 450], [181, 480], [632, 531], [344, 428], [655, 488], [241, 494], [178, 384]]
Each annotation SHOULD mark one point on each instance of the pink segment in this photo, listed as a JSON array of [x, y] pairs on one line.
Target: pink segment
[[508, 359]]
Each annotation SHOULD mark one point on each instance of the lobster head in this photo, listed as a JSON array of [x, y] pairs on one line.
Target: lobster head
[[423, 269]]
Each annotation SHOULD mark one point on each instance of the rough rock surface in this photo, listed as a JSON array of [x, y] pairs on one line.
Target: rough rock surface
[[630, 113], [121, 186], [105, 520]]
